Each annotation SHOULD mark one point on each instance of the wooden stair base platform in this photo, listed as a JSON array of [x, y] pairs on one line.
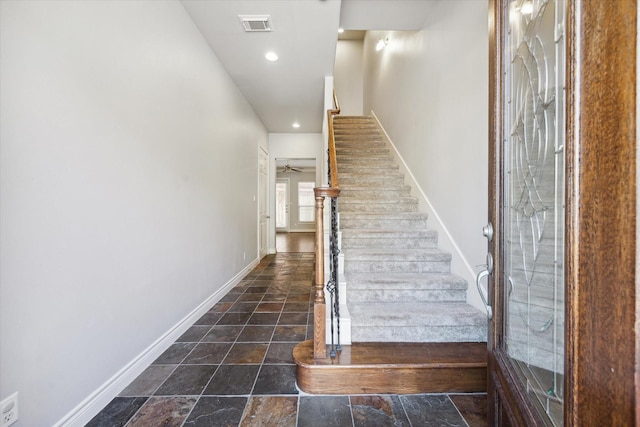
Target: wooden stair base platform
[[394, 368]]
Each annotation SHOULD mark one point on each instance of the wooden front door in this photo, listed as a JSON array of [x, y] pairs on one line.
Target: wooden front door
[[562, 342]]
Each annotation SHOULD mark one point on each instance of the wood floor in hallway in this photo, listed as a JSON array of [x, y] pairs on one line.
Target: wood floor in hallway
[[295, 242]]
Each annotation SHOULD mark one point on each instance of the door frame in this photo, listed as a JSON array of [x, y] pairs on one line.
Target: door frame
[[263, 202], [601, 357]]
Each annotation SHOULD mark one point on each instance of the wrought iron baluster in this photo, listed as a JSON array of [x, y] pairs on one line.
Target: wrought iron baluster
[[332, 284]]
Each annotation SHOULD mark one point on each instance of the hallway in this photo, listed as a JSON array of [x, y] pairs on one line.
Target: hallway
[[234, 367], [295, 242]]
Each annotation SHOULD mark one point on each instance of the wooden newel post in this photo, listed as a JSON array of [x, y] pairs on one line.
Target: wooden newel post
[[319, 304]]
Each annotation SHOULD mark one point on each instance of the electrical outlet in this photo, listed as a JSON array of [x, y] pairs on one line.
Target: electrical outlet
[[9, 410]]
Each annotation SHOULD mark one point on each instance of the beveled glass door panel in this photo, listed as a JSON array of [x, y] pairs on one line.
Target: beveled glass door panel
[[533, 200]]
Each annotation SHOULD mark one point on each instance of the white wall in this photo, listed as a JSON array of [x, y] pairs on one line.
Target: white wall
[[292, 146], [429, 90], [121, 133], [348, 76]]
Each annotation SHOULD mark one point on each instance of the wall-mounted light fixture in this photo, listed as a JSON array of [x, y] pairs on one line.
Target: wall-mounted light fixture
[[340, 30], [296, 125], [382, 43]]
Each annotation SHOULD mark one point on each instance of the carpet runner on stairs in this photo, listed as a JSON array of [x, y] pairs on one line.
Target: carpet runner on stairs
[[400, 286]]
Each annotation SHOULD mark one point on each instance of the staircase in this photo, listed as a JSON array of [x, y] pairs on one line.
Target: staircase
[[400, 288], [411, 329]]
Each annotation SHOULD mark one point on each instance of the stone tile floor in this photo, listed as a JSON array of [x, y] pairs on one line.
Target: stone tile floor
[[234, 367]]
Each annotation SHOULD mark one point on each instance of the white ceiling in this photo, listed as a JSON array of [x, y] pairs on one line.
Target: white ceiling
[[304, 36]]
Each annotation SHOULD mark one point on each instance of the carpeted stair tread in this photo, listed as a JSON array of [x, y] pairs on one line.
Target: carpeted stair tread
[[406, 281], [410, 314]]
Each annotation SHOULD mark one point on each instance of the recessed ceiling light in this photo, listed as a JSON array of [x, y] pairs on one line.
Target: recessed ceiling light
[[296, 125], [271, 56], [340, 30]]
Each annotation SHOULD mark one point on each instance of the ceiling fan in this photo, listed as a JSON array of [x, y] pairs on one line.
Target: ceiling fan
[[288, 168]]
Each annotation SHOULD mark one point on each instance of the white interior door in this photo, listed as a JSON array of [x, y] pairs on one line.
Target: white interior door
[[263, 205]]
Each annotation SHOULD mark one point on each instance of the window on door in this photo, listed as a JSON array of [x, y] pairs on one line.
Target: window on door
[[306, 201]]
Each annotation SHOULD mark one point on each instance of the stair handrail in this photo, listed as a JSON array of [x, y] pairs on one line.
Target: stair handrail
[[332, 191]]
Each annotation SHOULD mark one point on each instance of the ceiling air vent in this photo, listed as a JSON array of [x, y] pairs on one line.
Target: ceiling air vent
[[253, 23]]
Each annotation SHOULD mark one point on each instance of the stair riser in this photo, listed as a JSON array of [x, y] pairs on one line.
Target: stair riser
[[360, 133], [347, 179], [378, 207], [390, 224], [370, 162], [396, 267], [400, 191], [390, 243], [406, 295], [418, 334], [345, 142], [352, 143], [407, 369], [367, 169], [344, 201]]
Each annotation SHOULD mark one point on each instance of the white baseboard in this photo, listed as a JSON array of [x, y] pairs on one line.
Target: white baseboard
[[96, 401]]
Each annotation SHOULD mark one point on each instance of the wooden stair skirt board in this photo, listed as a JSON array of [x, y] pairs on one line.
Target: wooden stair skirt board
[[394, 368]]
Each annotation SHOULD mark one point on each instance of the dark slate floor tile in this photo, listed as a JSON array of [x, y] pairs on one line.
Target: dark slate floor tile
[[187, 380], [148, 381], [299, 298], [264, 319], [194, 333], [378, 411], [117, 412], [221, 307], [276, 379], [174, 354], [431, 410], [281, 288], [294, 333], [231, 296], [163, 411], [473, 408], [210, 353], [269, 307], [243, 307], [223, 333], [301, 307], [208, 319], [256, 333], [256, 290], [233, 379], [234, 319], [272, 411], [261, 283], [216, 411], [274, 297], [293, 319], [324, 411], [246, 354], [280, 353], [251, 297]]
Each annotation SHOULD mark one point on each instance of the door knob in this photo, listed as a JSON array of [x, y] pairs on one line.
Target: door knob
[[487, 231]]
